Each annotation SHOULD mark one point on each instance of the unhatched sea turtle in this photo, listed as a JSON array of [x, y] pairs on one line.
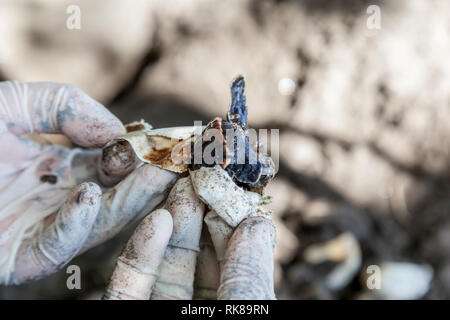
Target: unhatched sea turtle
[[255, 169], [171, 148]]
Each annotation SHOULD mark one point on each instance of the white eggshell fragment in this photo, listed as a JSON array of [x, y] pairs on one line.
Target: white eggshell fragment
[[180, 133], [220, 233], [155, 146], [214, 186]]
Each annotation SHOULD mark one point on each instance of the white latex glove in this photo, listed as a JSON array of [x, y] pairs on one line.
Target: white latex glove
[[160, 259], [45, 217]]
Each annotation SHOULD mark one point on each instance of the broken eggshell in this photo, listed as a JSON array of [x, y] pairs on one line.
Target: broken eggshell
[[215, 187], [170, 148], [222, 185], [154, 146], [242, 158]]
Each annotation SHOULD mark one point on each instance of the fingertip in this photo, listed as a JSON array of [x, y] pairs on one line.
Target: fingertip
[[113, 127], [82, 205], [146, 247], [187, 212], [247, 270], [97, 132], [138, 266], [110, 128], [160, 221], [86, 121], [89, 193], [220, 232], [104, 133], [257, 221], [258, 226], [63, 238], [117, 161], [162, 216]]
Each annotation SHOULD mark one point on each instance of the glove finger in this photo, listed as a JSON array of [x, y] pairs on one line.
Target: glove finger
[[61, 240], [176, 279], [47, 107], [207, 273], [220, 232], [247, 269], [116, 162], [129, 201], [138, 265]]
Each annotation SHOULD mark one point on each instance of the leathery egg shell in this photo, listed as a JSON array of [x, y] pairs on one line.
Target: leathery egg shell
[[155, 146], [215, 187]]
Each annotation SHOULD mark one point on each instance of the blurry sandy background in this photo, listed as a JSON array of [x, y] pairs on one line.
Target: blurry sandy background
[[364, 150]]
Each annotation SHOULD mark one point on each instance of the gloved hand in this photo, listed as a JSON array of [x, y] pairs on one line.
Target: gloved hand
[[45, 217], [160, 259]]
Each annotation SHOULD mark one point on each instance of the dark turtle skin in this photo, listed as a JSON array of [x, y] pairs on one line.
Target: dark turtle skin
[[251, 176], [237, 114]]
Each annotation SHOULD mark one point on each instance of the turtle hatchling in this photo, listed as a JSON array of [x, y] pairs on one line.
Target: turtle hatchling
[[240, 168]]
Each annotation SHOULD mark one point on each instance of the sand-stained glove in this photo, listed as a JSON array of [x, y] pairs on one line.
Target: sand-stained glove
[[166, 259], [51, 205], [245, 258], [161, 259]]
